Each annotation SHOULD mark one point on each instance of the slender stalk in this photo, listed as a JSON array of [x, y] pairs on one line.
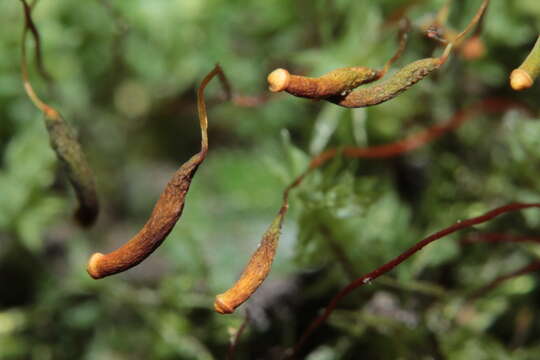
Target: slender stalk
[[532, 267], [37, 40], [62, 138], [231, 354], [497, 238], [166, 212], [260, 263], [369, 277], [239, 100], [337, 83], [408, 76], [339, 253]]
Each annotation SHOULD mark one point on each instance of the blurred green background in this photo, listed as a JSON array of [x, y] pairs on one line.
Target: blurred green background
[[125, 77]]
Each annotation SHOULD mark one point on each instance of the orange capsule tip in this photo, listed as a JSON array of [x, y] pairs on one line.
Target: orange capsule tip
[[278, 80], [221, 307], [520, 80], [93, 266]]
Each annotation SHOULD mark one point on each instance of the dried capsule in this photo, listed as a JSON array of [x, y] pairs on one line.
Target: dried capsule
[[401, 81], [166, 213], [256, 270], [75, 165], [405, 78], [523, 77], [260, 262], [167, 210], [62, 138], [338, 82]]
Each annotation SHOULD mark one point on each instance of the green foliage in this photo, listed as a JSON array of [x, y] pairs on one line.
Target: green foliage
[[125, 78]]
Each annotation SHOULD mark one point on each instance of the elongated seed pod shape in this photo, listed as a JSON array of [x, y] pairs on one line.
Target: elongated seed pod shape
[[339, 81], [166, 213], [62, 137], [167, 210], [75, 165], [388, 89], [256, 270], [406, 77], [523, 77], [337, 86]]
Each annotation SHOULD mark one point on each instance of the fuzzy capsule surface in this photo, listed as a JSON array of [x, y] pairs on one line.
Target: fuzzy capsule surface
[[338, 82], [69, 152], [388, 89], [255, 272], [165, 214]]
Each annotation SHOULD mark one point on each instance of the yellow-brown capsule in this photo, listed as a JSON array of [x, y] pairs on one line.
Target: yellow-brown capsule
[[71, 156], [406, 77], [167, 210], [523, 77], [339, 81], [256, 270], [388, 89], [166, 213], [61, 136]]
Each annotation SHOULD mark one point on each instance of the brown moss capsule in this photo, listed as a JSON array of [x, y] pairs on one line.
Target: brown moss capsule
[[167, 210], [401, 81], [338, 82], [404, 78], [256, 270], [337, 86], [523, 77], [166, 213], [62, 137], [75, 165]]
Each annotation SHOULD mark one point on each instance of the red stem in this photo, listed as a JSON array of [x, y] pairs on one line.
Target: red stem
[[232, 348], [533, 266], [404, 256], [414, 141], [497, 238]]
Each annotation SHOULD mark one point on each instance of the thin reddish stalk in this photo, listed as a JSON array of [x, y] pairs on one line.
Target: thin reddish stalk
[[337, 83], [167, 211], [247, 284], [402, 36], [62, 138], [419, 139], [533, 266], [37, 40], [234, 343], [404, 256], [412, 142], [240, 100], [400, 13], [497, 238], [501, 238]]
